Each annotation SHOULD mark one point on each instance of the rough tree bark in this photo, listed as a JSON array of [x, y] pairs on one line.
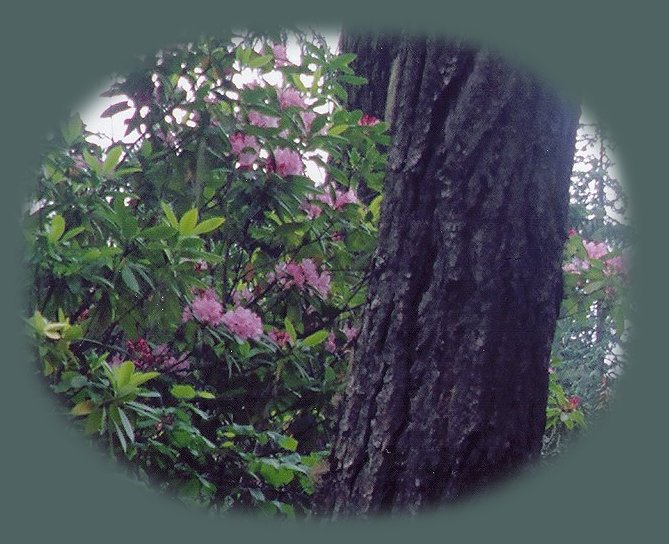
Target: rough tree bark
[[448, 385]]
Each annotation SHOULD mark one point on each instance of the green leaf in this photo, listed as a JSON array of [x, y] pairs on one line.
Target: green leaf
[[72, 233], [298, 82], [138, 378], [159, 232], [126, 425], [594, 286], [314, 339], [93, 422], [112, 160], [290, 329], [57, 228], [185, 392], [338, 129], [275, 475], [130, 280], [206, 395], [121, 438], [122, 373], [83, 408], [188, 222], [73, 130], [169, 214], [259, 61], [208, 225], [343, 60]]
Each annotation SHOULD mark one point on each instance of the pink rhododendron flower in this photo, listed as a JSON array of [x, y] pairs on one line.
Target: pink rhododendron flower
[[312, 210], [336, 236], [263, 121], [350, 332], [242, 296], [614, 265], [368, 120], [290, 97], [576, 266], [301, 275], [574, 402], [307, 119], [280, 55], [206, 308], [331, 343], [595, 250], [341, 199], [245, 147], [281, 338], [572, 232], [288, 162], [243, 322]]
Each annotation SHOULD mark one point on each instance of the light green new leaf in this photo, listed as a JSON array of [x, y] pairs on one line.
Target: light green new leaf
[[57, 228], [208, 225], [188, 222], [138, 378], [314, 339], [183, 392], [169, 214], [122, 373]]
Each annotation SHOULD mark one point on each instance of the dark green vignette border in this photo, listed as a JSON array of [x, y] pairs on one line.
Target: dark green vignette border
[[609, 486]]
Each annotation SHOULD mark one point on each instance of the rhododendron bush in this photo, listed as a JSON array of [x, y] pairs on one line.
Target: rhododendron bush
[[192, 308], [196, 292]]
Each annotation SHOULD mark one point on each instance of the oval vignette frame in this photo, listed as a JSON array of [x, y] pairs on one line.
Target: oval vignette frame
[[118, 497]]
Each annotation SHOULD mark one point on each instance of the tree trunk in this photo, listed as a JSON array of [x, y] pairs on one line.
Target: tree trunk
[[448, 385]]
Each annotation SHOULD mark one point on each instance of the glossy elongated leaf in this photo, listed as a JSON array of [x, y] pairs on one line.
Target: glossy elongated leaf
[[209, 225], [169, 214], [188, 222], [316, 338], [130, 280], [57, 228]]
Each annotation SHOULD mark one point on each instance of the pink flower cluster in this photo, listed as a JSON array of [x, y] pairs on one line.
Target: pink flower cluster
[[263, 121], [246, 148], [301, 275], [307, 118], [614, 265], [287, 162], [244, 323], [595, 251], [280, 55], [206, 308], [331, 343], [350, 332], [336, 201], [240, 296], [289, 98]]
